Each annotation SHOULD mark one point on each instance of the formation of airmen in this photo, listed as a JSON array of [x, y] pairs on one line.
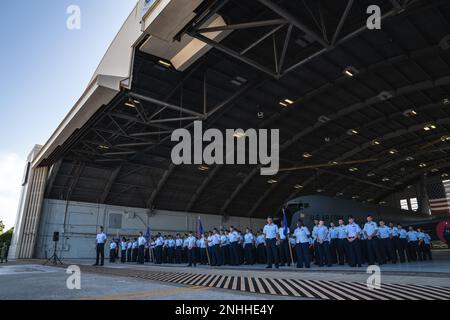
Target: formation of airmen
[[352, 244]]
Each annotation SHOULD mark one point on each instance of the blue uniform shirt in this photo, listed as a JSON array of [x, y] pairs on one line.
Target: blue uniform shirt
[[302, 235], [370, 228], [270, 231], [394, 231], [179, 242], [332, 233], [412, 235], [233, 236], [352, 230], [248, 238], [322, 233], [402, 233], [427, 238], [384, 232], [341, 233]]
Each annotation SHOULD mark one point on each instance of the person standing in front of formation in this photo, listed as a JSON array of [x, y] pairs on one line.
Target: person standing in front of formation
[[141, 248], [402, 244], [302, 245], [271, 238], [353, 231], [100, 248], [123, 250], [371, 232], [191, 242], [249, 242]]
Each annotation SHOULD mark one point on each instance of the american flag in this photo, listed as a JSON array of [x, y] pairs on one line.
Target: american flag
[[439, 195]]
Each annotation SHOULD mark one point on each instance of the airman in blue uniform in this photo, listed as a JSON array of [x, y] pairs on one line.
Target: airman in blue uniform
[[386, 249], [353, 231], [413, 241], [302, 245], [371, 232], [342, 243], [271, 238]]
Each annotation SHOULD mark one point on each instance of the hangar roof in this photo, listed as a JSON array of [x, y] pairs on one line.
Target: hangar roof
[[362, 113]]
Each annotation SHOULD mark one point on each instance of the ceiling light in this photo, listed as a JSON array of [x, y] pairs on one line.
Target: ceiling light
[[385, 179], [355, 197], [382, 202], [353, 169], [375, 142], [446, 100], [393, 151], [165, 64], [370, 200], [339, 194], [371, 174], [307, 155], [422, 165], [409, 159], [429, 127], [203, 168], [103, 147], [410, 113], [271, 181], [444, 175], [352, 132], [288, 101], [283, 104], [445, 138], [320, 190], [327, 139], [435, 170], [298, 186], [131, 103], [350, 71], [334, 163]]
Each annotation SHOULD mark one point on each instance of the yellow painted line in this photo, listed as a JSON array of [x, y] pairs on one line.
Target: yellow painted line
[[145, 294]]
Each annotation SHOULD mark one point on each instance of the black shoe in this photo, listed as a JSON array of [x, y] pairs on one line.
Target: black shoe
[[359, 266], [330, 265], [95, 265], [277, 266], [189, 265], [102, 265], [268, 267], [299, 267], [282, 265]]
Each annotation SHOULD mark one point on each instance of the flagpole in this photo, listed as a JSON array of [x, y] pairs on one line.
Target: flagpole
[[290, 249]]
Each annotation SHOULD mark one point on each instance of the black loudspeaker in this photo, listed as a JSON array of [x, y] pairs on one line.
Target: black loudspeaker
[[55, 236]]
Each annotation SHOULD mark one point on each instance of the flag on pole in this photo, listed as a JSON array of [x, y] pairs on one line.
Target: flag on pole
[[200, 228], [285, 224], [147, 235]]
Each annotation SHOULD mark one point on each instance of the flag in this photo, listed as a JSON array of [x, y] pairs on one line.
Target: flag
[[285, 224], [147, 235], [200, 228], [439, 197]]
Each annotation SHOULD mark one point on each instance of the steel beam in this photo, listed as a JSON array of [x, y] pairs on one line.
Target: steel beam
[[247, 25]]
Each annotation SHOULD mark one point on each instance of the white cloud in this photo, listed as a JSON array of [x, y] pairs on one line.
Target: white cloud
[[11, 172]]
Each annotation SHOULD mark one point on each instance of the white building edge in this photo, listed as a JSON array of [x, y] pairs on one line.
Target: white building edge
[[154, 25]]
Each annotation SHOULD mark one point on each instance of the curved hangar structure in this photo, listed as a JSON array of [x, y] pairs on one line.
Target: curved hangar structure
[[363, 114]]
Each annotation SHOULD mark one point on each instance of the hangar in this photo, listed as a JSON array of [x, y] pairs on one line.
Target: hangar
[[363, 115]]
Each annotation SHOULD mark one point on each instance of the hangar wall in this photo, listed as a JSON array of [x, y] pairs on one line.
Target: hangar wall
[[82, 220]]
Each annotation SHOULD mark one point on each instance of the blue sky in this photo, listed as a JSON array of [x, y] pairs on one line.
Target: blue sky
[[45, 68]]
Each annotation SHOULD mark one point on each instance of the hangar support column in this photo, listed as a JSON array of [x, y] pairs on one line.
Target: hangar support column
[[29, 212]]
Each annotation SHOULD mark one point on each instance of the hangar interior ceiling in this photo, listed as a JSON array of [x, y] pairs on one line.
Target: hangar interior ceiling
[[337, 91]]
